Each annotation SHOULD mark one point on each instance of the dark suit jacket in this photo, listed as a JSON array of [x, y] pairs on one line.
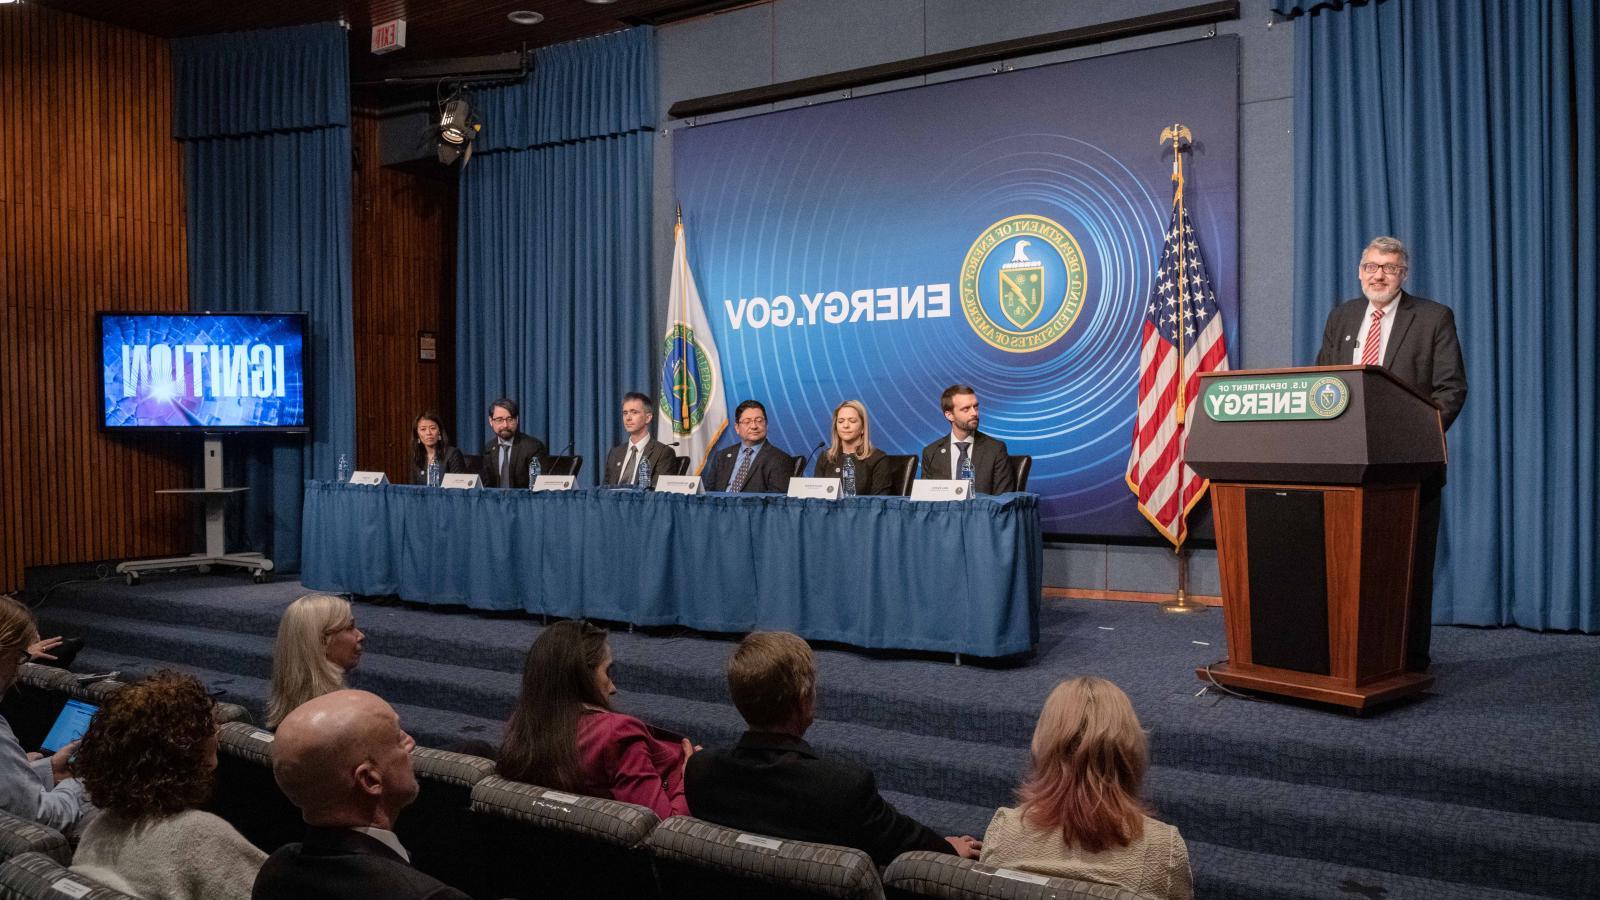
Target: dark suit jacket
[[341, 864], [770, 471], [453, 464], [775, 784], [991, 464], [523, 447], [872, 472], [1423, 349], [659, 454]]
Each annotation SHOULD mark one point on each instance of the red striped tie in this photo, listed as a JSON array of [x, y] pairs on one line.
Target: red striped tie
[[1374, 341]]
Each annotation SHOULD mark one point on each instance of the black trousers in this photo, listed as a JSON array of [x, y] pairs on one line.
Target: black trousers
[[1421, 612]]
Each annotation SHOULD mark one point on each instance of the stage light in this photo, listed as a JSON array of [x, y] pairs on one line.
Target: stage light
[[525, 17], [458, 126]]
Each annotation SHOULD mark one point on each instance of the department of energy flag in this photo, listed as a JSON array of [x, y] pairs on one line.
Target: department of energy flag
[[1182, 311], [693, 404]]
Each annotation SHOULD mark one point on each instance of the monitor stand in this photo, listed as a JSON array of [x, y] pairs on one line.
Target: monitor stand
[[216, 500]]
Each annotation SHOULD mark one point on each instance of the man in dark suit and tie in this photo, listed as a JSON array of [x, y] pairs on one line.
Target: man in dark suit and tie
[[343, 759], [772, 782], [505, 459], [622, 463], [754, 466], [991, 465], [1415, 339]]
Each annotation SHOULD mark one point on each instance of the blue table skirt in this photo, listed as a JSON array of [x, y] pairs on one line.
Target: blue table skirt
[[959, 577]]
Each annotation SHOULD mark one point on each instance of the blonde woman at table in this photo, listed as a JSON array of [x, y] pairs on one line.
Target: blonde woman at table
[[1080, 815], [852, 440], [318, 644]]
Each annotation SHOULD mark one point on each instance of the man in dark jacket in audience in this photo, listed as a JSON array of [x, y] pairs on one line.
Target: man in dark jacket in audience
[[343, 759], [773, 783]]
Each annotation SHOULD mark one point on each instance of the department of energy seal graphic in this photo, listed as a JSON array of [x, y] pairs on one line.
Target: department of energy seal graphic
[[1023, 283], [686, 380], [1328, 397]]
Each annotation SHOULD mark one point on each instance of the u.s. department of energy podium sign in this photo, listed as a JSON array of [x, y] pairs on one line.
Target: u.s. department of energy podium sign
[[1315, 488]]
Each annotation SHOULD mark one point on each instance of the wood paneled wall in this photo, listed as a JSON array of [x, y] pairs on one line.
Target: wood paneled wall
[[403, 283], [91, 217]]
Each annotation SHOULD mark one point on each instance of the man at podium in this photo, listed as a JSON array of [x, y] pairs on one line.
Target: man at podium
[[1415, 339]]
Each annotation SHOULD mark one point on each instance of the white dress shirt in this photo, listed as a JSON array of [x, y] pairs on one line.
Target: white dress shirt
[[1385, 328]]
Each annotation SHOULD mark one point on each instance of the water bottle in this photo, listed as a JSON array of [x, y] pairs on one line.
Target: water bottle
[[641, 479], [847, 475], [344, 467], [971, 479], [435, 474], [533, 470]]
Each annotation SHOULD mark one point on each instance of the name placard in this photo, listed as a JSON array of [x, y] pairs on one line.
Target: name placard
[[680, 484], [460, 480], [554, 483], [369, 478], [815, 488], [940, 489]]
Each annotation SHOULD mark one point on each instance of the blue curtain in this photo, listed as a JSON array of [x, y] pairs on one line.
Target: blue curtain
[[1467, 128], [264, 117], [553, 284]]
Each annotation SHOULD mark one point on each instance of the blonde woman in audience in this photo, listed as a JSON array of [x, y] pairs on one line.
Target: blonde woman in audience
[[1079, 814], [148, 761], [38, 789], [318, 644]]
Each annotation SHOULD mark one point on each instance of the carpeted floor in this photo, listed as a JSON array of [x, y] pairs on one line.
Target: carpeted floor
[[1485, 788]]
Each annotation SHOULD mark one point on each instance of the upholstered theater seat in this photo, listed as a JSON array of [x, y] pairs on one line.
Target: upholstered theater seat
[[696, 860], [924, 874], [19, 836], [438, 829], [35, 876], [246, 794]]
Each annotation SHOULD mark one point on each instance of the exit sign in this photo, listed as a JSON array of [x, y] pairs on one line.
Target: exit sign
[[389, 36]]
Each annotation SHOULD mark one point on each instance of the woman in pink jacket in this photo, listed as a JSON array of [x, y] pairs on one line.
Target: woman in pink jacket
[[564, 734]]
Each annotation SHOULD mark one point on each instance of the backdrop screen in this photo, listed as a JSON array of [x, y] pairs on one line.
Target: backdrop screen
[[1000, 231], [210, 372]]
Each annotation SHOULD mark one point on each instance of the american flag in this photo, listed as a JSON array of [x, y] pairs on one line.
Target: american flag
[[1181, 302]]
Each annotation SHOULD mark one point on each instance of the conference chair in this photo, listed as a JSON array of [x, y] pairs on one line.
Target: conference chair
[[564, 465], [19, 836], [799, 467], [680, 466], [1020, 467], [921, 873], [34, 876], [902, 471], [437, 828], [535, 843], [473, 461], [696, 860], [246, 795]]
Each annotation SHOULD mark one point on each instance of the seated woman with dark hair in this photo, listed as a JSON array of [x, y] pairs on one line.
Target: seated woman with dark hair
[[148, 761], [1079, 814], [564, 734], [430, 446]]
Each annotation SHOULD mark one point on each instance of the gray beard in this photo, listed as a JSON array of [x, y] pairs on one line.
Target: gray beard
[[1380, 299]]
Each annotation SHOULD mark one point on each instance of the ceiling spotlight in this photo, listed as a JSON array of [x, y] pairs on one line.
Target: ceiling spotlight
[[458, 126], [602, 2], [525, 17]]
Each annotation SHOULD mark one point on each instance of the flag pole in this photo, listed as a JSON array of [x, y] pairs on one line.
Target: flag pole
[[1178, 134]]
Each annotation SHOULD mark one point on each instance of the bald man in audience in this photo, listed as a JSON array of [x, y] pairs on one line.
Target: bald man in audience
[[343, 759]]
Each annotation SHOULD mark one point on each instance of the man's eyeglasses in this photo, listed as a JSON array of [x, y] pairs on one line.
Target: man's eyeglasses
[[752, 421], [502, 420], [1388, 268]]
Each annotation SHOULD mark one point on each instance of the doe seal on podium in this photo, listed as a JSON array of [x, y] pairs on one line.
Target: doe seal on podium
[[1023, 283]]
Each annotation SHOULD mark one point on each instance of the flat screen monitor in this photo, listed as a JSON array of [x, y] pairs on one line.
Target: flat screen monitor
[[203, 371]]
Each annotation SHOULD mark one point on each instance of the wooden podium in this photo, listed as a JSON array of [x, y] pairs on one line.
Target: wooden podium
[[1315, 481]]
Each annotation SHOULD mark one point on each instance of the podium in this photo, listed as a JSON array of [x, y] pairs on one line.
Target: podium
[[1316, 477]]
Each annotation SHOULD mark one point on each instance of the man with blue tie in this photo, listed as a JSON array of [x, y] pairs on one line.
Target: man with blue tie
[[754, 466], [965, 446]]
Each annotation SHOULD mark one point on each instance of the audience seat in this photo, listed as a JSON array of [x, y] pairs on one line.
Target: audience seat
[[1020, 467], [19, 836], [32, 706], [696, 859], [924, 874], [437, 829], [246, 794], [902, 471], [34, 876], [537, 843]]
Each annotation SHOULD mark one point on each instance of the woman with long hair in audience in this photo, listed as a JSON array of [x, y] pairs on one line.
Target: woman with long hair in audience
[[852, 437], [318, 645], [148, 760], [430, 445], [1079, 814], [33, 787], [564, 734]]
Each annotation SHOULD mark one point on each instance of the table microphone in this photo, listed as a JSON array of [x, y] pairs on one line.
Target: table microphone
[[819, 446], [564, 451]]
